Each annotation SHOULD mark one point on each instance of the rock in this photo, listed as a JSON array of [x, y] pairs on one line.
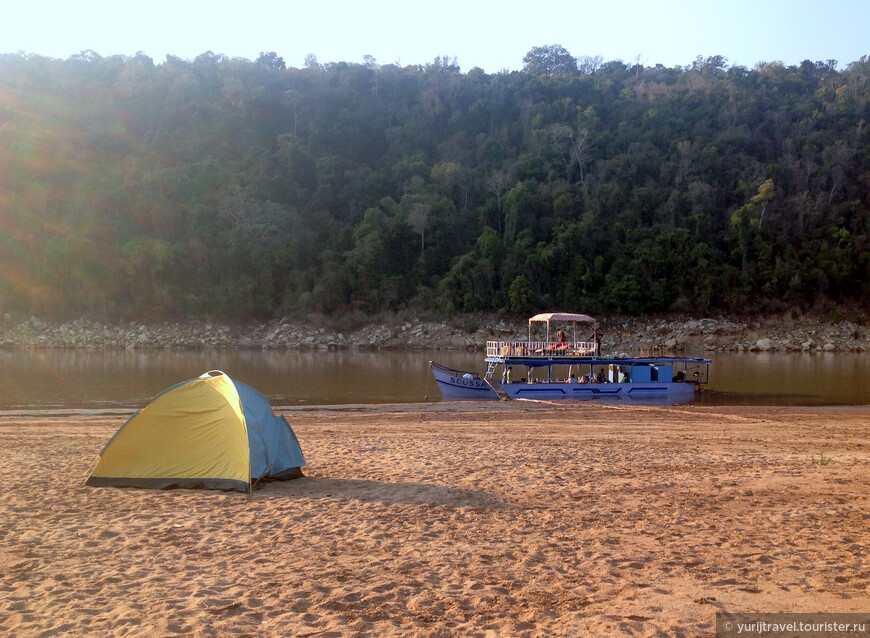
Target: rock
[[787, 332], [764, 345]]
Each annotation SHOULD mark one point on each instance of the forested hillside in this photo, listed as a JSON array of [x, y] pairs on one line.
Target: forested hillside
[[244, 189]]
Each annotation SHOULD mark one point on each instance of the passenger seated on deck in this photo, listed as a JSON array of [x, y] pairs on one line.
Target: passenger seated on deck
[[623, 377], [562, 345], [573, 379], [601, 377], [679, 377], [584, 378]]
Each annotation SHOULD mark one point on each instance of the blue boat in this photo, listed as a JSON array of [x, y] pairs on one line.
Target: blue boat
[[561, 366]]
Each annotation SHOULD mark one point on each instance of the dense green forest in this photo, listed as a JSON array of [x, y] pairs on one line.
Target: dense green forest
[[224, 187]]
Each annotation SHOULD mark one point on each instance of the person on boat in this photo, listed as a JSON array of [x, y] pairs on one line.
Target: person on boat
[[601, 377], [554, 346], [573, 379], [509, 376], [596, 340], [584, 378], [623, 377]]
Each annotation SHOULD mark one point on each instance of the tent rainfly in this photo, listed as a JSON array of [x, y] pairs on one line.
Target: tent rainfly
[[210, 432]]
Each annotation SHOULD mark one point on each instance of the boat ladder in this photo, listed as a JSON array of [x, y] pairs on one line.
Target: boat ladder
[[492, 383]]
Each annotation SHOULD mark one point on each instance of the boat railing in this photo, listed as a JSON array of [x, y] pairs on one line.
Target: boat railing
[[540, 349], [454, 371]]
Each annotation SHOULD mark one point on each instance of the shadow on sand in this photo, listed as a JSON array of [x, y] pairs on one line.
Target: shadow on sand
[[383, 492]]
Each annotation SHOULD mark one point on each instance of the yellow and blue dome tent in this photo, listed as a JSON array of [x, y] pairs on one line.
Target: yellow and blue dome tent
[[210, 432]]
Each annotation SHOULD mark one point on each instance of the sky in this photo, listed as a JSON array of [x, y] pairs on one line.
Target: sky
[[494, 36]]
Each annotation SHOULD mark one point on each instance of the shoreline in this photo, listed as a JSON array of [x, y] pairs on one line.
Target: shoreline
[[784, 332], [436, 408], [443, 520]]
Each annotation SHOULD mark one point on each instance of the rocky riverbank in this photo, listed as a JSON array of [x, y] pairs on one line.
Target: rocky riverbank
[[671, 334]]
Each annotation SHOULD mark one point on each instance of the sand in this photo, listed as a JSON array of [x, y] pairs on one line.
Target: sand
[[507, 519]]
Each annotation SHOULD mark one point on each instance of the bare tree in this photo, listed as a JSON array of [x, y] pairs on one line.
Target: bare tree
[[419, 216], [588, 65], [497, 182], [580, 151]]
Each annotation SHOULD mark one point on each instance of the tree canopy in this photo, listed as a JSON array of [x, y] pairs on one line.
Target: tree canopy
[[227, 187]]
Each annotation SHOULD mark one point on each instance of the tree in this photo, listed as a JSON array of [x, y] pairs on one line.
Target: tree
[[271, 61], [552, 61], [418, 216], [223, 175], [588, 65], [522, 295], [766, 193], [580, 151], [497, 182]]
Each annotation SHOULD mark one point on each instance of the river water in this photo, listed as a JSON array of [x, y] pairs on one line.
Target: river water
[[50, 379]]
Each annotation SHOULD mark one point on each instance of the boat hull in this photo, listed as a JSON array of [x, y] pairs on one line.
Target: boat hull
[[456, 385], [666, 393]]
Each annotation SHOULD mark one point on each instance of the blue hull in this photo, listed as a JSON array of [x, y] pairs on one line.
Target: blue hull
[[456, 384], [667, 393]]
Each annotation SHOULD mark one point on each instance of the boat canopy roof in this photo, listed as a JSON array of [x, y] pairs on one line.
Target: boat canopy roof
[[547, 317], [571, 317]]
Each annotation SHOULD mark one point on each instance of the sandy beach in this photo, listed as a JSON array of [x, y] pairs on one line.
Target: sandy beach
[[507, 519]]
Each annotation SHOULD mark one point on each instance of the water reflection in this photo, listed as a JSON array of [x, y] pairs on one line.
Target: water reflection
[[791, 379], [49, 378], [96, 378]]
